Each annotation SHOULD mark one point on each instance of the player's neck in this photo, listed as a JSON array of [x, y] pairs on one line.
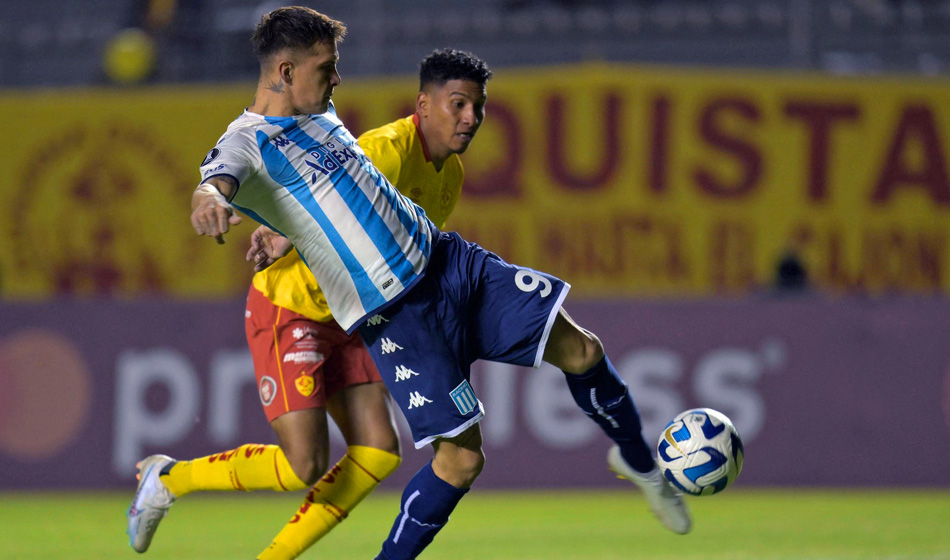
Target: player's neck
[[270, 102], [438, 162]]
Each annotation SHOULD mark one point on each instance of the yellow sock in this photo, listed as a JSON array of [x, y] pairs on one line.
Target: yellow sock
[[249, 467], [331, 500]]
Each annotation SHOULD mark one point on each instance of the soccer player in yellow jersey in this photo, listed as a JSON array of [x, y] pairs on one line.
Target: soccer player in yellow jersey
[[306, 365]]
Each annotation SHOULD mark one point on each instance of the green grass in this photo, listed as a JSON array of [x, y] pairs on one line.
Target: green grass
[[739, 524]]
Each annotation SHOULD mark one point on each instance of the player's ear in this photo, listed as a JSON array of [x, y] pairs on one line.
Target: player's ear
[[422, 104], [286, 69]]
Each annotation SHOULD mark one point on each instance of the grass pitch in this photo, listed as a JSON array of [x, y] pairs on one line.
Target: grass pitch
[[738, 524]]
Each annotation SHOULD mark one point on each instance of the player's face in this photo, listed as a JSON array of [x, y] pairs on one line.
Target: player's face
[[453, 112], [314, 78]]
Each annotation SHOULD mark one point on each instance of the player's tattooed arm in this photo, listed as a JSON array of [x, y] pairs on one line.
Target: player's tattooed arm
[[276, 87], [211, 213]]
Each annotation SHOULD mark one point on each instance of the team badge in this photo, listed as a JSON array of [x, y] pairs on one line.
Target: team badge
[[210, 157], [267, 389], [305, 384], [464, 398]]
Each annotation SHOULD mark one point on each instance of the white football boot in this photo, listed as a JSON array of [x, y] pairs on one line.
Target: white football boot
[[151, 502], [665, 501]]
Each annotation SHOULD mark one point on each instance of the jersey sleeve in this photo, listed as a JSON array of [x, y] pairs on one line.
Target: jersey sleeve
[[232, 157]]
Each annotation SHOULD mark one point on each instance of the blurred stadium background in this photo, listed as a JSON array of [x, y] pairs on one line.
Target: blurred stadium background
[[751, 199]]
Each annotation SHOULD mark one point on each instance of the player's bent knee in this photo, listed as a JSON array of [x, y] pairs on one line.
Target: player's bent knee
[[460, 469], [571, 347], [585, 351], [308, 467], [383, 440]]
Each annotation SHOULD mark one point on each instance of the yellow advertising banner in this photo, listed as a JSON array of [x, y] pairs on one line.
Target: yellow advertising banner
[[626, 181]]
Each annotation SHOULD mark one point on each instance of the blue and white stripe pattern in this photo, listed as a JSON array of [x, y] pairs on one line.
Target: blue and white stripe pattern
[[306, 177]]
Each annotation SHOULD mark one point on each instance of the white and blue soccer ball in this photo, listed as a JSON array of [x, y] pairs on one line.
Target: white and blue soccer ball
[[700, 452]]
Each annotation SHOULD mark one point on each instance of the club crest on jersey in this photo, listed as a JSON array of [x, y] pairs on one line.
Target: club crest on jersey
[[210, 157], [464, 397], [305, 384], [268, 390]]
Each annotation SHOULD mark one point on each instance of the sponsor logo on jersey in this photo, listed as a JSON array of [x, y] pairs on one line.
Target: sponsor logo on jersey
[[301, 332], [267, 390], [210, 157], [389, 346], [305, 384], [303, 357], [329, 157], [416, 400], [403, 373], [464, 397]]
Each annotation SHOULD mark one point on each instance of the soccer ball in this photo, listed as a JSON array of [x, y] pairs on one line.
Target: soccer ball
[[700, 452]]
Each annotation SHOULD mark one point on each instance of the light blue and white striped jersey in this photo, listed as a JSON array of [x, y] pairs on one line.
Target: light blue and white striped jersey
[[306, 177]]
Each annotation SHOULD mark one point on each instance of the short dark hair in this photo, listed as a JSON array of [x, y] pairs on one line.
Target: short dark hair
[[294, 27], [443, 65]]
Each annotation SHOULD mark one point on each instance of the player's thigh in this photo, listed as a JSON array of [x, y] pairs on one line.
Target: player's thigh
[[365, 417], [514, 312], [416, 344], [357, 399], [289, 351]]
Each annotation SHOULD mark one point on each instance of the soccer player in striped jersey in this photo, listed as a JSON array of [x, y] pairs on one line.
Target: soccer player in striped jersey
[[426, 303], [307, 365]]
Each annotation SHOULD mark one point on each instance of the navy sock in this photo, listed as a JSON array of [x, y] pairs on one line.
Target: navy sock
[[603, 395], [427, 502]]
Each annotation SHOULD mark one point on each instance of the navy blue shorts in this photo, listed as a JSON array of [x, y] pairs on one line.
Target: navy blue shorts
[[470, 305]]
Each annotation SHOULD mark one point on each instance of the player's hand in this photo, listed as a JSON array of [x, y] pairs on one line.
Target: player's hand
[[266, 247], [212, 215]]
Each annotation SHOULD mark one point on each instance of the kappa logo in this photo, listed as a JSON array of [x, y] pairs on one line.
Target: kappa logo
[[403, 373], [280, 142], [376, 320], [416, 400], [389, 346]]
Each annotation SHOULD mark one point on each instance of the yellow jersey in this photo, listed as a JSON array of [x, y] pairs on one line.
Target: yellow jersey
[[398, 150]]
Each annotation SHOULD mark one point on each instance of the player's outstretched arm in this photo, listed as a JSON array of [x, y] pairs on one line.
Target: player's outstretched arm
[[211, 214], [266, 247]]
